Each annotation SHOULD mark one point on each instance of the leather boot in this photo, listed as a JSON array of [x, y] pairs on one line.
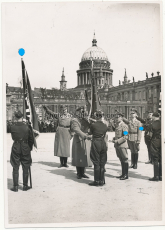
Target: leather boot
[[25, 181], [83, 173], [132, 160], [156, 173], [102, 177], [125, 176], [160, 171], [15, 182], [122, 168], [96, 178], [78, 172], [61, 161], [136, 160], [65, 162]]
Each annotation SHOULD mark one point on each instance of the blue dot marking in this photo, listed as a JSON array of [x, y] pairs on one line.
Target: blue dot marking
[[21, 52], [125, 132], [141, 128]]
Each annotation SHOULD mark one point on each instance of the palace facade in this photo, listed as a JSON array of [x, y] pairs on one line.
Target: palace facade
[[142, 95]]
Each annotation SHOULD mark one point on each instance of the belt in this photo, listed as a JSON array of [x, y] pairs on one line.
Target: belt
[[98, 138], [156, 138], [64, 126], [20, 141], [132, 132]]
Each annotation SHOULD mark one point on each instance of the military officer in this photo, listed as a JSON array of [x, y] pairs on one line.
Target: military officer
[[20, 152], [155, 147], [80, 145], [98, 152], [146, 124], [120, 143], [134, 137]]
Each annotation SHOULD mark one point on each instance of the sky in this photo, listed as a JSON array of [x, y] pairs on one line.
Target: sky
[[55, 36]]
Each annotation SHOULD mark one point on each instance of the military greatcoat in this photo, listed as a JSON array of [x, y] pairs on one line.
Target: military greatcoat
[[63, 137], [80, 146]]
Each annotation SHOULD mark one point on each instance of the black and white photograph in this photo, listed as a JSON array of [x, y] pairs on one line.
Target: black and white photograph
[[83, 113]]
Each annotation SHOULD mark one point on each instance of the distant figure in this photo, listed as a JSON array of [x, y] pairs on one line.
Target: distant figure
[[146, 75], [152, 74], [133, 79], [119, 82]]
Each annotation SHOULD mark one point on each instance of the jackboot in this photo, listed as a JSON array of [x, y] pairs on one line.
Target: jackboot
[[83, 173], [122, 168], [15, 182], [65, 162], [136, 160], [61, 161], [96, 178], [156, 173], [25, 181], [78, 172], [132, 160], [125, 176], [102, 177]]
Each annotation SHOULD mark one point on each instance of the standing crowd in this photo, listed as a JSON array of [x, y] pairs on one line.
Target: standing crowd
[[90, 143]]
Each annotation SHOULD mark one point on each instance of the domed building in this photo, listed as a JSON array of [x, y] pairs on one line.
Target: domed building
[[102, 71]]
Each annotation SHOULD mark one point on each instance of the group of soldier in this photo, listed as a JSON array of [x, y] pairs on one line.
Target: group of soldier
[[90, 143]]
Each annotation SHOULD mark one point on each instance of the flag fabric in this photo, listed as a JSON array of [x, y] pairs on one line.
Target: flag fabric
[[95, 104], [160, 101], [28, 105], [88, 105]]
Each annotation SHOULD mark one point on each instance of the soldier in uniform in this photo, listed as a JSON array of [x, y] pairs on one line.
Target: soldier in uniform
[[81, 145], [146, 124], [155, 147], [20, 152], [63, 135], [134, 137], [120, 144], [98, 152]]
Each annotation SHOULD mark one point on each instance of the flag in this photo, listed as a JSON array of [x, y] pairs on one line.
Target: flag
[[95, 104], [88, 105], [29, 112], [160, 101]]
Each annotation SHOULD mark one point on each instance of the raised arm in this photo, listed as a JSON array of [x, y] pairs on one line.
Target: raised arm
[[50, 112], [141, 120]]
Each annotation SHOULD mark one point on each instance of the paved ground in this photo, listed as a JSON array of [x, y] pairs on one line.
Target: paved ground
[[59, 197]]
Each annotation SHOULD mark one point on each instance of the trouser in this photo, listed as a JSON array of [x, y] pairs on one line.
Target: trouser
[[134, 147], [149, 150], [122, 154], [98, 156], [16, 176], [80, 170], [63, 160]]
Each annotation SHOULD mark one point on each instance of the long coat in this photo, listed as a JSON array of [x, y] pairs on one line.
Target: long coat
[[63, 137], [80, 147]]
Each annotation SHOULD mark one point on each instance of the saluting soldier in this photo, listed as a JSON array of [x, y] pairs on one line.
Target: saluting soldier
[[63, 135], [155, 147], [120, 144], [146, 124], [134, 137], [21, 150], [99, 148], [80, 145]]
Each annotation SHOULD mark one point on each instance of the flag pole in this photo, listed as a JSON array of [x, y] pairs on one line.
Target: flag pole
[[23, 80]]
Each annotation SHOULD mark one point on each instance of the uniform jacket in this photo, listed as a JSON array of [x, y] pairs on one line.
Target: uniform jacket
[[146, 125], [80, 146], [156, 137], [134, 134], [21, 132], [119, 135]]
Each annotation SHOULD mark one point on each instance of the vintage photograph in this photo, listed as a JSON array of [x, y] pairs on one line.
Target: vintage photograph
[[82, 102]]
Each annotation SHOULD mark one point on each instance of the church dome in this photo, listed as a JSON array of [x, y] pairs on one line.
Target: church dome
[[95, 52]]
